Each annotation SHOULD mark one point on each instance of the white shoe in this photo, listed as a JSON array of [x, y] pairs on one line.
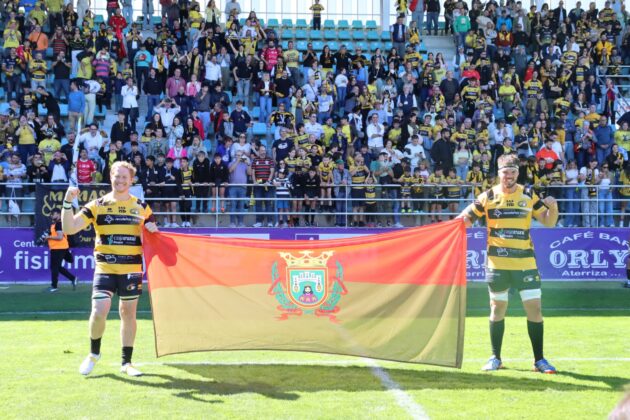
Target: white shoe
[[284, 225], [232, 225], [130, 370], [398, 225], [269, 224], [620, 224], [257, 225], [174, 225], [167, 225], [87, 366]]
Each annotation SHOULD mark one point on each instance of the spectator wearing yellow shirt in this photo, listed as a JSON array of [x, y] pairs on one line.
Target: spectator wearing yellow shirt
[[37, 16], [26, 139], [622, 137], [48, 147], [508, 95], [12, 36]]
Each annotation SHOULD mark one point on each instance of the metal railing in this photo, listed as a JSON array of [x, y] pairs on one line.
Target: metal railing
[[583, 208]]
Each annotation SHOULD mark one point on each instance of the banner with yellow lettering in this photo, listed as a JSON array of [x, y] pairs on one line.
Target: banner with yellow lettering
[[49, 197], [398, 296]]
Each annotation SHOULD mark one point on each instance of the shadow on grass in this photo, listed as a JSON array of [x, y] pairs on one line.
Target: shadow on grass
[[285, 382]]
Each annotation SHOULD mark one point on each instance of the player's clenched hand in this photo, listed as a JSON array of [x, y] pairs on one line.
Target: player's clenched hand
[[71, 194], [550, 202], [151, 227]]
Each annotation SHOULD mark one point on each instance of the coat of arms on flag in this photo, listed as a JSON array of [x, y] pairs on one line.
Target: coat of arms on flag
[[308, 287]]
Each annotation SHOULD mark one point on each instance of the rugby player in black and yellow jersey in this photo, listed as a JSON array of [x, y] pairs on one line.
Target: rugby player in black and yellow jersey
[[508, 209], [119, 219]]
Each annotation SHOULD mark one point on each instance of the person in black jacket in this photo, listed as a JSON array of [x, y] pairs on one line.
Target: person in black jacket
[[171, 191], [219, 176], [121, 130], [441, 152], [153, 89], [201, 179], [311, 194], [110, 154], [153, 179]]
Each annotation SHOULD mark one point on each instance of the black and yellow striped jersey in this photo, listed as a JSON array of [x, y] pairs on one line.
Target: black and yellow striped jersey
[[300, 140], [533, 88], [406, 182], [437, 181], [473, 177], [508, 217], [358, 175], [118, 226], [454, 190], [303, 163], [370, 194], [291, 164], [470, 93], [186, 179], [326, 171]]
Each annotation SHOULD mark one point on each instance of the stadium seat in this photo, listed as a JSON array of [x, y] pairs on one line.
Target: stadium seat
[[388, 46], [49, 54], [41, 110], [301, 34], [262, 22], [301, 45], [358, 35], [98, 19], [301, 24], [288, 33], [273, 23], [344, 35], [386, 36], [357, 24], [372, 35], [285, 44], [375, 45], [329, 24], [423, 48], [287, 23], [330, 34], [343, 25], [318, 46], [259, 129], [28, 206], [256, 112], [63, 110], [316, 35], [100, 113], [370, 24], [242, 21], [334, 46], [362, 44], [155, 20]]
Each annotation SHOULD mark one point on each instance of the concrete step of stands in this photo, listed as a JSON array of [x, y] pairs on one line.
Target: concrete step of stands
[[443, 44]]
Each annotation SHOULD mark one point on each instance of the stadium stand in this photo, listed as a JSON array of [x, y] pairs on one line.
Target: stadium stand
[[496, 80]]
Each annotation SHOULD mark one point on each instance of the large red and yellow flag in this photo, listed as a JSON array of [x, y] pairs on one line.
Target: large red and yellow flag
[[397, 296]]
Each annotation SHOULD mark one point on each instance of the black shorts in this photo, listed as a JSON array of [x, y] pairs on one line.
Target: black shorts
[[297, 193], [358, 196], [125, 285], [312, 194], [502, 280]]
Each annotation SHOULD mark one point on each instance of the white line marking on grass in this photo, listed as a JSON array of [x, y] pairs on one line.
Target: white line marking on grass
[[404, 400], [562, 359]]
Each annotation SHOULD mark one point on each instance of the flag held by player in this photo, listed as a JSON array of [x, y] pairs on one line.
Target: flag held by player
[[397, 296]]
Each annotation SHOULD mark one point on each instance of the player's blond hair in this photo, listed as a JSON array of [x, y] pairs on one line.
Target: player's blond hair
[[508, 160], [129, 166]]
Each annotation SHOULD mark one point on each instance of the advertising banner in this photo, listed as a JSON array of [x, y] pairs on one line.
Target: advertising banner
[[561, 253], [50, 197]]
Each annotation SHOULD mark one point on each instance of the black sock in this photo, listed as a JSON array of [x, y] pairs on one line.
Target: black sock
[[126, 354], [535, 330], [497, 328], [95, 345], [628, 273]]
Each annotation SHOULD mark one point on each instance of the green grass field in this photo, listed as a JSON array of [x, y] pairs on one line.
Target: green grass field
[[43, 339]]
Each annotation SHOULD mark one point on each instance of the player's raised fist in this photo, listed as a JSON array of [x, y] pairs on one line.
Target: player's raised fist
[[71, 194]]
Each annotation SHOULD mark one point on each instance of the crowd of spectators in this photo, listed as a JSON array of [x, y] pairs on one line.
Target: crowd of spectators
[[364, 138]]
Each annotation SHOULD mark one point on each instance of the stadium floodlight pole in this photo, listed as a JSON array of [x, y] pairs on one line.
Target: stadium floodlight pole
[[74, 179]]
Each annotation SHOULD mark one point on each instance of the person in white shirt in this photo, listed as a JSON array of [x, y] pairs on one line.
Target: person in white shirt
[[130, 103], [91, 88], [312, 127], [375, 132], [92, 141], [341, 81], [414, 151], [325, 103], [167, 109], [213, 69], [310, 90]]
